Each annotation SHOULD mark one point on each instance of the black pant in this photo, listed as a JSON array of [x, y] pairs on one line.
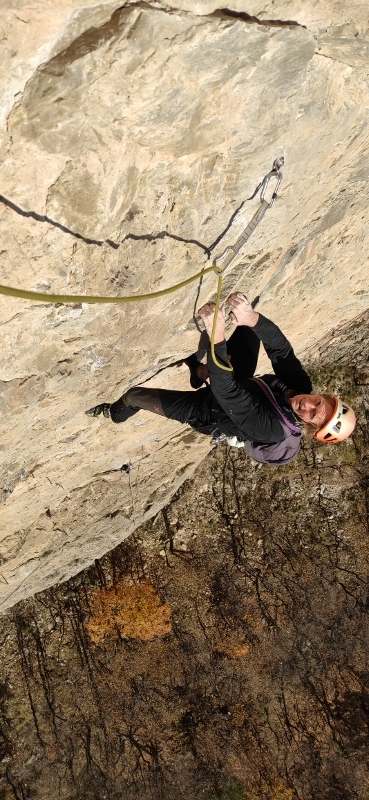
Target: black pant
[[243, 348], [194, 407]]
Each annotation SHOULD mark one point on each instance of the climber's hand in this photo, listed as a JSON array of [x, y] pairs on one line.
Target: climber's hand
[[207, 315], [241, 311]]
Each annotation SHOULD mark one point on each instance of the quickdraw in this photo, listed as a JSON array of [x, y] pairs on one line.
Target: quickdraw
[[224, 261], [231, 252]]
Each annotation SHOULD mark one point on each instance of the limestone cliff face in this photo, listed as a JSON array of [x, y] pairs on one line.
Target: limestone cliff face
[[133, 132]]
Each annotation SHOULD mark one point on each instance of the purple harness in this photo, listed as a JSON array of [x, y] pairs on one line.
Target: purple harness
[[270, 396], [278, 453]]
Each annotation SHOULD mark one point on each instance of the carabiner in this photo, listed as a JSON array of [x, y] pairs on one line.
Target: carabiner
[[274, 173]]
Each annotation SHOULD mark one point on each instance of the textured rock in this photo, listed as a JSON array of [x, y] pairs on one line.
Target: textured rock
[[142, 128]]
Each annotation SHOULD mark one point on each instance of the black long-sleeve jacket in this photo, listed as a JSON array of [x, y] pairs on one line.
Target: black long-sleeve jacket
[[241, 407]]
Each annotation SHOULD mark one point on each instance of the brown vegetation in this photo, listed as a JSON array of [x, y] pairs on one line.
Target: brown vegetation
[[259, 689], [133, 612]]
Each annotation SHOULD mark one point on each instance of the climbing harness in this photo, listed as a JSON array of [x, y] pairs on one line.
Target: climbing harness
[[219, 265]]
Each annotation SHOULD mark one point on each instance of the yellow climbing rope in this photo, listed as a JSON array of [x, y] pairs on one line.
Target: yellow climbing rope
[[88, 298], [216, 310], [218, 266]]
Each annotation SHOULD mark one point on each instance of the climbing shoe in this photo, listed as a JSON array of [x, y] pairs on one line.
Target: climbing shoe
[[192, 364], [103, 408]]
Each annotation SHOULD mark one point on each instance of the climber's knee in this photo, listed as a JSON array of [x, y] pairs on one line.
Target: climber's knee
[[135, 399], [144, 398]]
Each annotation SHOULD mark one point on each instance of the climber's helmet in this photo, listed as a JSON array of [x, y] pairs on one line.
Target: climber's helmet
[[339, 425]]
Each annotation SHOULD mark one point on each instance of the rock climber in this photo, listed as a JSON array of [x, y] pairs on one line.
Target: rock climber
[[266, 415]]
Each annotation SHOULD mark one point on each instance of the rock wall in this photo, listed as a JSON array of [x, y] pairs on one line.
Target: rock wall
[[130, 134]]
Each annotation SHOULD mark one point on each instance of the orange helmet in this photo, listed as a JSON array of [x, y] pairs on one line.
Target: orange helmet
[[339, 426]]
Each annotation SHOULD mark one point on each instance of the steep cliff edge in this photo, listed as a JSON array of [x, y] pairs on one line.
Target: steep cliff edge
[[138, 129]]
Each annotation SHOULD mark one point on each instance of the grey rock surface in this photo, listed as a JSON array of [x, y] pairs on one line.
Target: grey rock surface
[[130, 134]]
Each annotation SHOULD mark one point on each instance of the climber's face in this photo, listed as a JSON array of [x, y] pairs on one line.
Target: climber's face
[[313, 408]]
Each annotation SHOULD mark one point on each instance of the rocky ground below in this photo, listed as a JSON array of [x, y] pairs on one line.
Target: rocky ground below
[[221, 652]]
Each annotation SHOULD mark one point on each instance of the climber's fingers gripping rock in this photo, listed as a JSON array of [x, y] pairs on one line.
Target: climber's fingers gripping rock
[[207, 315], [241, 310]]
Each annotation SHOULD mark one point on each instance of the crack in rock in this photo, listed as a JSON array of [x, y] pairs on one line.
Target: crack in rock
[[99, 242], [228, 13], [345, 63], [219, 13], [44, 218], [150, 237]]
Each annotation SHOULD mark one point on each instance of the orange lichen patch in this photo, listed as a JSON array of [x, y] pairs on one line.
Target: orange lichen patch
[[135, 611], [238, 651], [233, 648], [279, 791]]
